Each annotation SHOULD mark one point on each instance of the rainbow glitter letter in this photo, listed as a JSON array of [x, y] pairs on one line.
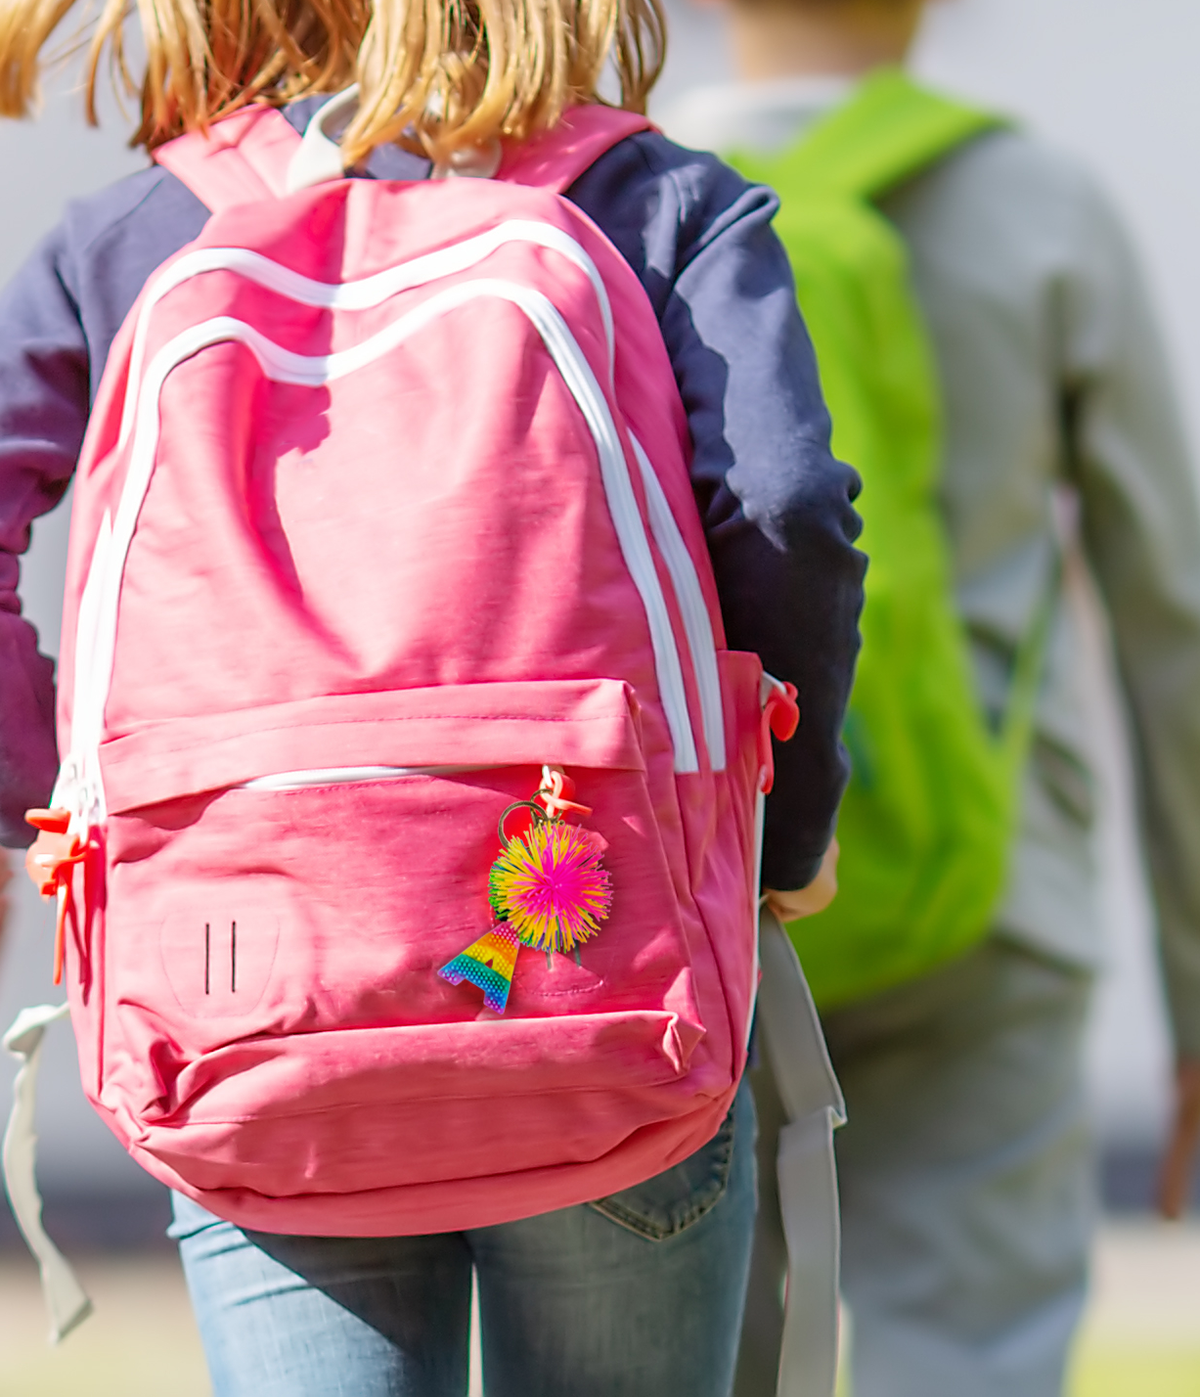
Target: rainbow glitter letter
[[488, 963]]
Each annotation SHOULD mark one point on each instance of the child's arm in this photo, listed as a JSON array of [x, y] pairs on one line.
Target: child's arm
[[776, 506], [1141, 525], [807, 902], [5, 879], [777, 509], [43, 412]]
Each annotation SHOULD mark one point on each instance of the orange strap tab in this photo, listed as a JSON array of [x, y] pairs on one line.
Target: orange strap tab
[[50, 862], [780, 717]]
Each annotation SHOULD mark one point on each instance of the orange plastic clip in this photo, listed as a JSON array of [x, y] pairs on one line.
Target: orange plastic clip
[[49, 862]]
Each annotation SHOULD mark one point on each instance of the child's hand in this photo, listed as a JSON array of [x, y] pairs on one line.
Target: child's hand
[[807, 902], [1178, 1166], [5, 879]]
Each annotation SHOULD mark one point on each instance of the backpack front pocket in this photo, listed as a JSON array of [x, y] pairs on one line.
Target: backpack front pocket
[[280, 938]]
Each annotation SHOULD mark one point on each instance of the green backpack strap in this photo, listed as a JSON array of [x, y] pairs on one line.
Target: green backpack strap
[[889, 130], [929, 817]]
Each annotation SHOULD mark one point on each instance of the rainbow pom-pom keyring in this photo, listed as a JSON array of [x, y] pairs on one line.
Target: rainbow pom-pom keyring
[[548, 890]]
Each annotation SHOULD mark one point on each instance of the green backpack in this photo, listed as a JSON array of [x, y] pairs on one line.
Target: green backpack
[[931, 810]]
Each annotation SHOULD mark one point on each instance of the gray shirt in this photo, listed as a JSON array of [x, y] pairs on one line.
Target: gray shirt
[[1053, 375]]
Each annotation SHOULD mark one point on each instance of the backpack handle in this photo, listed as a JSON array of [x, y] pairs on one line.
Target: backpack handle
[[241, 159]]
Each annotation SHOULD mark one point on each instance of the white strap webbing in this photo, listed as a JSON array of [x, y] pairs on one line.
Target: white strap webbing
[[65, 1297], [807, 1174], [318, 157]]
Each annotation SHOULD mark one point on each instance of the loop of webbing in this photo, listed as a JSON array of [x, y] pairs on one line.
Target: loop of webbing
[[66, 1299], [807, 1175]]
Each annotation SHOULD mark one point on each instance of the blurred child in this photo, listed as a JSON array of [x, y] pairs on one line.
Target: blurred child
[[641, 1292], [966, 1168]]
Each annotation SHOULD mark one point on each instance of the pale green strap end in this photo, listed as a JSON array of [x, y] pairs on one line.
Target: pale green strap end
[[808, 1201], [806, 1169], [66, 1300]]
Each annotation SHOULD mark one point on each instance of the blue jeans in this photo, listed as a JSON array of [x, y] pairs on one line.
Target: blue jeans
[[636, 1295]]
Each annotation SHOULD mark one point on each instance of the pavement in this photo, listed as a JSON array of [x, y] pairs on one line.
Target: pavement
[[140, 1342], [1141, 1337]]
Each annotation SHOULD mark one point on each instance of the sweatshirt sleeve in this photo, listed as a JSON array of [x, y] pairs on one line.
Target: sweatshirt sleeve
[[1141, 523], [777, 507], [43, 413]]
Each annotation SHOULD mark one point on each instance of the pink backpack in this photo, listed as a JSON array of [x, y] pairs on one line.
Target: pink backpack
[[412, 793]]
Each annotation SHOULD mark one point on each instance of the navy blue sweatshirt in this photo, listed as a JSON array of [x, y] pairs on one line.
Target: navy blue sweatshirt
[[776, 506]]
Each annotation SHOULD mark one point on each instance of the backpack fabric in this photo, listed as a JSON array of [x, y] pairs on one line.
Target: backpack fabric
[[930, 813], [384, 563]]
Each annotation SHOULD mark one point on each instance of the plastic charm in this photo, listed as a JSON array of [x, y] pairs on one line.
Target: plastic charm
[[548, 890], [50, 863], [489, 964]]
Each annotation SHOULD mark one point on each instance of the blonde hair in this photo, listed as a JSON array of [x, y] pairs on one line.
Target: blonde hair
[[434, 75]]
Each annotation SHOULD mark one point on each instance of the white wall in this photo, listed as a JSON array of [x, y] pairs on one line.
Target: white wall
[[1111, 80]]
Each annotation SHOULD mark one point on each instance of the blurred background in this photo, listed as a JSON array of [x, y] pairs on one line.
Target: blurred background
[[1112, 81]]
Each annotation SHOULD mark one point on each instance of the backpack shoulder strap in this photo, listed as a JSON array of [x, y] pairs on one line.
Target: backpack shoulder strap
[[238, 160], [556, 158], [889, 130]]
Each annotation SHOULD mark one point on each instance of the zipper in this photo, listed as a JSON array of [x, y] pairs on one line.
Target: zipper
[[372, 291], [770, 690], [345, 776], [697, 626], [95, 643], [363, 294]]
